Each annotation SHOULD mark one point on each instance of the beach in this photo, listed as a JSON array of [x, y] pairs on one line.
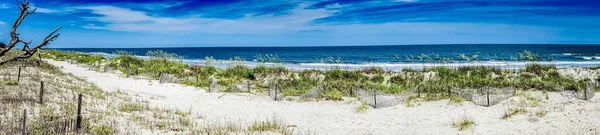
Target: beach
[[562, 114]]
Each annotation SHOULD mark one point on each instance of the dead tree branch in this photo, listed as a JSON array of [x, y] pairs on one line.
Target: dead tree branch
[[26, 52]]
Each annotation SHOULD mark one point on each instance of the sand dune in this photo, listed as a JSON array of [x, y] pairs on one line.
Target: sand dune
[[561, 115]]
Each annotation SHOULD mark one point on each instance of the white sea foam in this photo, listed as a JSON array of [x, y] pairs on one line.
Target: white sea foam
[[567, 54], [387, 66]]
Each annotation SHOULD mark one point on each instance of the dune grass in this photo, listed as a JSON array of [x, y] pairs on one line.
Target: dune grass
[[432, 80], [464, 124], [362, 108], [511, 112]]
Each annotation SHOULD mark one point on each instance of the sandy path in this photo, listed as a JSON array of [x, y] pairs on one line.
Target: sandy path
[[565, 116]]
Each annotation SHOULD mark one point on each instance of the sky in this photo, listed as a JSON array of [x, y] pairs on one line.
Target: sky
[[206, 23]]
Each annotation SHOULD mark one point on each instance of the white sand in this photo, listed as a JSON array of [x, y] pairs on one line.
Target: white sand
[[565, 116]]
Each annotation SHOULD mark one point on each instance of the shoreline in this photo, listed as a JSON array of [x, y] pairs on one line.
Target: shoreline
[[330, 63], [339, 117]]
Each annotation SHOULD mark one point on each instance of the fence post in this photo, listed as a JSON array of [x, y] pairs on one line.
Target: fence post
[[160, 80], [41, 92], [39, 57], [585, 92], [419, 91], [78, 123], [248, 85], [19, 75], [375, 98], [449, 92], [352, 91], [488, 96], [276, 90], [24, 124]]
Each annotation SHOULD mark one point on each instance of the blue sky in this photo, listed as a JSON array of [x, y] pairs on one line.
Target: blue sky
[[185, 23]]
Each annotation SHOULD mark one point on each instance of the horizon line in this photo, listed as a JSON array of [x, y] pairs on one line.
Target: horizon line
[[299, 46]]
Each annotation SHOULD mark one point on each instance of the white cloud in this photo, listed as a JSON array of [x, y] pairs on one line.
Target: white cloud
[[122, 19], [4, 6], [92, 26], [155, 6], [44, 10], [2, 23]]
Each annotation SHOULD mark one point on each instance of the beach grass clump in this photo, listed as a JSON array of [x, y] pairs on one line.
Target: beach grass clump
[[340, 74], [264, 70], [163, 62], [456, 100], [11, 83], [198, 76], [362, 108], [541, 113], [131, 107], [126, 61], [297, 87], [464, 124], [238, 71], [479, 70], [268, 125], [102, 130], [511, 112], [539, 69]]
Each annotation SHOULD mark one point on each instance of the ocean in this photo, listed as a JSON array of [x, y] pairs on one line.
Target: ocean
[[388, 57]]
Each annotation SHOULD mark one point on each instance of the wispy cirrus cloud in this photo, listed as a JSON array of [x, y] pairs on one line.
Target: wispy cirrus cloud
[[123, 19], [44, 10], [2, 23]]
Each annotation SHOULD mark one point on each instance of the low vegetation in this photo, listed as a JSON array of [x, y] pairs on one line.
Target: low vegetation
[[456, 100], [362, 108], [464, 124], [511, 112], [433, 82], [59, 104]]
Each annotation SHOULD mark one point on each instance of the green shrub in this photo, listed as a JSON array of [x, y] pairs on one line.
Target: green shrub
[[332, 95], [297, 87], [238, 71], [339, 74], [538, 69], [263, 70]]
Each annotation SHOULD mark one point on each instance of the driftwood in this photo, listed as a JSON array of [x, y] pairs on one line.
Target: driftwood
[[26, 52]]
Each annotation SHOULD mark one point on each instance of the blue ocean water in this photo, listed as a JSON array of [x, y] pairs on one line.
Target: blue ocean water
[[389, 57]]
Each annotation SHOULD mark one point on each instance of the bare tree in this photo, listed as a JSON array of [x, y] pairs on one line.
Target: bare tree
[[26, 52]]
